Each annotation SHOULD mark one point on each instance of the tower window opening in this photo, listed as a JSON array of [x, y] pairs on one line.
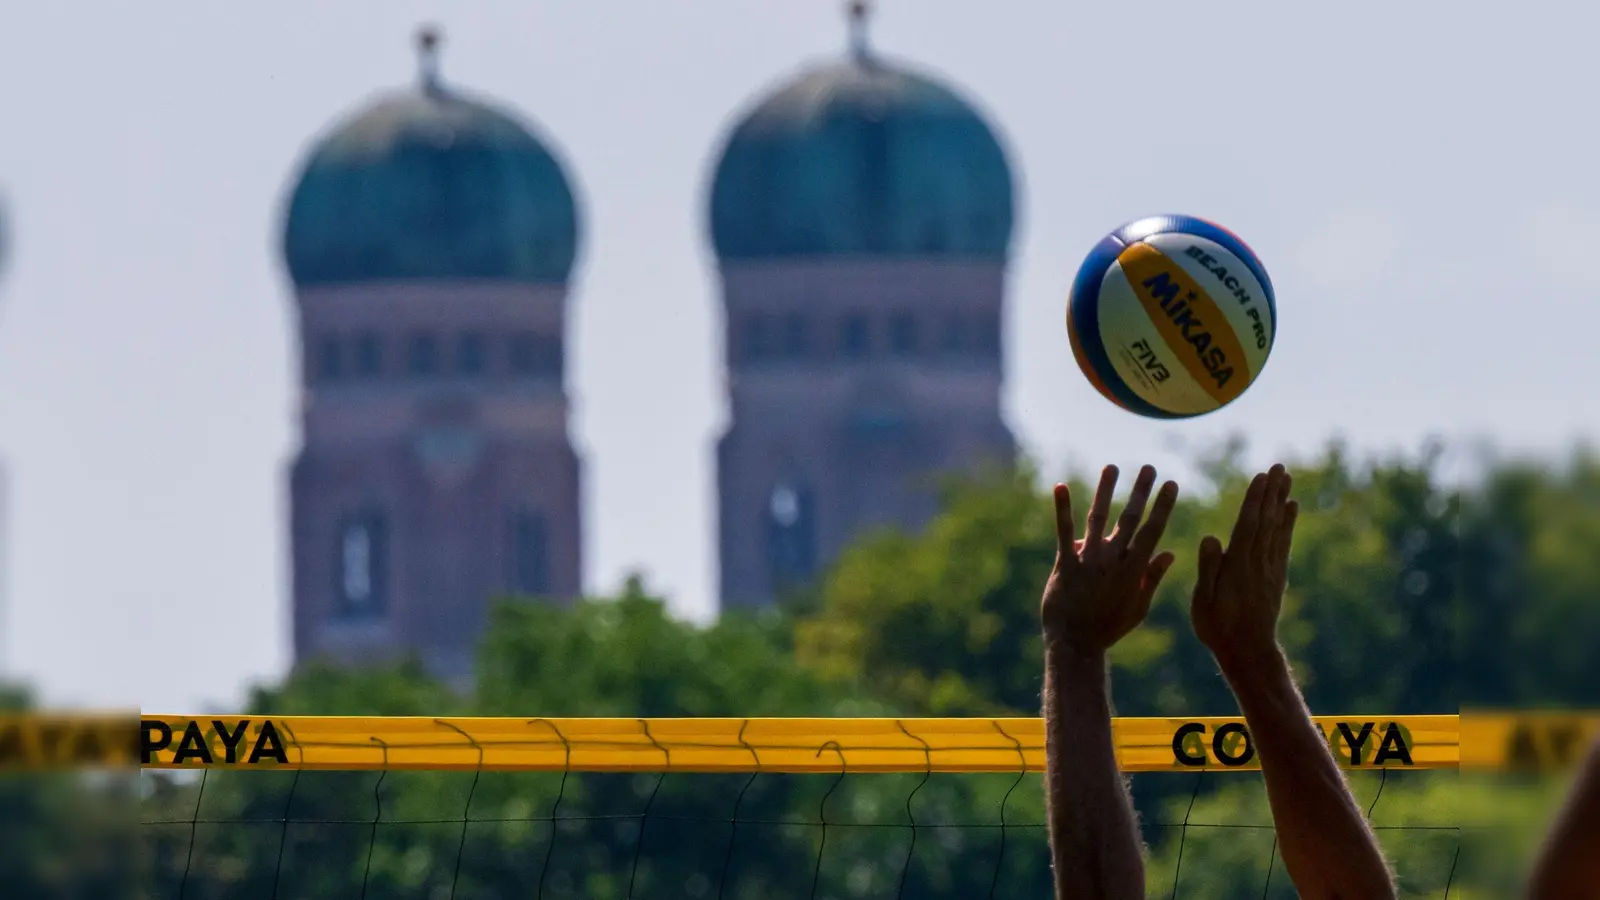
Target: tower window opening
[[552, 358], [424, 356], [330, 359], [791, 535], [757, 337], [536, 356], [903, 334], [470, 356], [524, 353], [856, 337], [530, 554], [954, 339], [795, 337], [363, 561], [989, 339], [785, 506], [369, 355]]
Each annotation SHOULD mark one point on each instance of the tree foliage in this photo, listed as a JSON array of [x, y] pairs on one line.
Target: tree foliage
[[1409, 593]]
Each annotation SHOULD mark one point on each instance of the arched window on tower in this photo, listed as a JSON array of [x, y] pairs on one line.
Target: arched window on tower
[[757, 338], [953, 341], [524, 353], [470, 354], [791, 534], [552, 358], [536, 356], [530, 554], [856, 337], [796, 340], [363, 552], [369, 355], [330, 359], [989, 339], [903, 334], [423, 358]]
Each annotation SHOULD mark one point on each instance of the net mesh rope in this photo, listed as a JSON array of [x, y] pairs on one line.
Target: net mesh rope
[[479, 833]]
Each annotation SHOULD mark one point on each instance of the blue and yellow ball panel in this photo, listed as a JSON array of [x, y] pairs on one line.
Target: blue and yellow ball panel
[[1083, 331], [1139, 230]]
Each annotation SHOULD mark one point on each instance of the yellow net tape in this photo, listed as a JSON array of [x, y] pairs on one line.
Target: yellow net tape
[[1525, 741], [1504, 741]]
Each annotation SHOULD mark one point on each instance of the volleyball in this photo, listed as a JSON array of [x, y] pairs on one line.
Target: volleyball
[[1171, 317]]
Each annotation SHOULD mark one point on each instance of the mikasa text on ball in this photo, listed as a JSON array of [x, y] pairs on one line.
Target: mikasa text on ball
[[1171, 317]]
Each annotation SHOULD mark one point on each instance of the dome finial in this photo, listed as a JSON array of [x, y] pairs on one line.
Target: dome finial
[[428, 39], [860, 10]]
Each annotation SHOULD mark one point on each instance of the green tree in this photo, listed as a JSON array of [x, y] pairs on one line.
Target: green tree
[[1528, 618], [1406, 593], [65, 834], [946, 622]]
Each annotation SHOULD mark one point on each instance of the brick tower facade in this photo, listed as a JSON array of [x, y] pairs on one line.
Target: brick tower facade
[[862, 217], [430, 239]]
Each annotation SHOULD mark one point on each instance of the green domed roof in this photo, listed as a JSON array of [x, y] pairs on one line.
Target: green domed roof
[[861, 158], [431, 185]]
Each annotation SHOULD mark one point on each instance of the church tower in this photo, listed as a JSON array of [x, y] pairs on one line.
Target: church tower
[[862, 218], [430, 239]]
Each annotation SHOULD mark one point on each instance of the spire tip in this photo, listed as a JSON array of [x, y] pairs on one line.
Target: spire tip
[[428, 40], [859, 12]]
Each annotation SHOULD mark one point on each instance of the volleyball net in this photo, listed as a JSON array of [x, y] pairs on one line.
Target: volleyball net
[[253, 806]]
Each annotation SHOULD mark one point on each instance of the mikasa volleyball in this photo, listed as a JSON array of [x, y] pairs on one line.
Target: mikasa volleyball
[[1171, 317]]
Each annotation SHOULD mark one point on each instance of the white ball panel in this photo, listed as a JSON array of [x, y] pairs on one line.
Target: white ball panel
[[1140, 357]]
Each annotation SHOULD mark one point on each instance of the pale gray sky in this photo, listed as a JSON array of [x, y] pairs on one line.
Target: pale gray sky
[[1417, 176]]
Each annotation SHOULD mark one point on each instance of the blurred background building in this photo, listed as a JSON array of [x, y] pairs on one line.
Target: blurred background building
[[430, 239], [862, 217]]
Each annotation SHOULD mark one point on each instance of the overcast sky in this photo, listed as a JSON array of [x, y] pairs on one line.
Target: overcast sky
[[1418, 178]]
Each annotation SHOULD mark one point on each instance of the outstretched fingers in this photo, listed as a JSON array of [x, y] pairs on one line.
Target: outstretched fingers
[[1153, 574], [1277, 491], [1210, 566], [1283, 535], [1066, 542], [1145, 542], [1249, 521], [1133, 511], [1139, 609], [1100, 511]]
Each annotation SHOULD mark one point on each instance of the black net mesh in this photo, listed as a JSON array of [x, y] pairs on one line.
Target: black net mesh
[[392, 834]]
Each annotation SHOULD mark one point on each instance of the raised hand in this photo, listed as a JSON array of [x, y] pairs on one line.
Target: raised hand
[[1323, 834], [1099, 590], [1239, 593], [1102, 585]]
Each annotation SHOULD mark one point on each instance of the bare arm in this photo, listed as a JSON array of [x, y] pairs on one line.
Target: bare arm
[[1094, 840], [1327, 845], [1099, 591], [1569, 865], [1328, 848]]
